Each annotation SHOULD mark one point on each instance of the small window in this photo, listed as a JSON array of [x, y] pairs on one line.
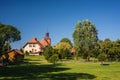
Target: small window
[[33, 45], [30, 45]]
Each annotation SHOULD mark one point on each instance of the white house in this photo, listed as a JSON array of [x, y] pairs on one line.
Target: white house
[[35, 47]]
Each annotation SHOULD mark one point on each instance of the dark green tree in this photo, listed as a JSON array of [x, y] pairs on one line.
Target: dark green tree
[[8, 33], [78, 39], [111, 49], [85, 38], [102, 57], [6, 47], [117, 42], [51, 54], [54, 57], [48, 52]]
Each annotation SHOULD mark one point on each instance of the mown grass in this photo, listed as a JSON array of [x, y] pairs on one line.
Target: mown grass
[[37, 68]]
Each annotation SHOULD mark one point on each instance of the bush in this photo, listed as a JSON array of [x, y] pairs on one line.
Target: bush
[[51, 55], [102, 57], [54, 58], [26, 53]]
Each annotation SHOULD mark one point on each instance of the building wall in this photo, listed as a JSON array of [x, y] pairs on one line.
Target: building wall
[[32, 48]]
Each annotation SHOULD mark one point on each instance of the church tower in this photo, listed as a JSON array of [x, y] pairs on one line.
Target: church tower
[[47, 35], [48, 38]]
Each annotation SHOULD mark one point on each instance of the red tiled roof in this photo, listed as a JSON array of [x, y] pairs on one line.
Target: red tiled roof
[[33, 40], [44, 41]]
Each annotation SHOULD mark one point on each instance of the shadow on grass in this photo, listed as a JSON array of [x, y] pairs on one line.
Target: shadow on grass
[[28, 71], [31, 71], [105, 64], [41, 72], [67, 76]]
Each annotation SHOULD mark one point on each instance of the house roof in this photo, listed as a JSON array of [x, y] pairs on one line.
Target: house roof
[[73, 50], [33, 40], [43, 42], [16, 50]]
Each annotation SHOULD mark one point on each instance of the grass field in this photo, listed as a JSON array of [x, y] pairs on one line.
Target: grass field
[[37, 68]]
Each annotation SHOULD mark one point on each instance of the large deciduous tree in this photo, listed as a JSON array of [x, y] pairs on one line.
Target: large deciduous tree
[[64, 47], [8, 34], [85, 38]]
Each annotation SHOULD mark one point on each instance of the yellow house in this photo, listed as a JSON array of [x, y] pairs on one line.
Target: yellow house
[[13, 56]]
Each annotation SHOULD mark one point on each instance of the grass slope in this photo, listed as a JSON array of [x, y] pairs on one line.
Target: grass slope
[[37, 68]]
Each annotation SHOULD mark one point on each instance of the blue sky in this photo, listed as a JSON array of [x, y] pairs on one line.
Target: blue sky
[[59, 17]]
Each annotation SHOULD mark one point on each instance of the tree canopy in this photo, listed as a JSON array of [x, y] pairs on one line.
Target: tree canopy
[[67, 41], [111, 49], [85, 38], [51, 54], [8, 33], [64, 43], [64, 47]]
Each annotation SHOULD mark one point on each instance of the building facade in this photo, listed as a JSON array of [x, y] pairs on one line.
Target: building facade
[[36, 47]]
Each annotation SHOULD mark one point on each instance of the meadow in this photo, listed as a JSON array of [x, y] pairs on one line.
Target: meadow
[[37, 68]]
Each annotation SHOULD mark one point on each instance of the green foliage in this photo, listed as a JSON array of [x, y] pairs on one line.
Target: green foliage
[[6, 47], [54, 58], [68, 54], [67, 41], [111, 49], [64, 54], [51, 55], [85, 38], [63, 45], [8, 33], [102, 57], [48, 52], [26, 53]]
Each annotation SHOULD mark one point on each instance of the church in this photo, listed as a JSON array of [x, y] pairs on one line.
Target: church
[[36, 47]]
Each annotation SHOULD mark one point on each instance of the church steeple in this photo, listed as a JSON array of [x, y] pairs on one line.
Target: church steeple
[[47, 35], [47, 38]]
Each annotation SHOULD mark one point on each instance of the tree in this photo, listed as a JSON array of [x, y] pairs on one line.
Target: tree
[[6, 47], [63, 49], [48, 52], [117, 42], [8, 33], [77, 38], [51, 55], [111, 49], [63, 45], [85, 38], [67, 41], [102, 57]]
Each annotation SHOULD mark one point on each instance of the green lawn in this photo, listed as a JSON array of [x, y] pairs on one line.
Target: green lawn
[[37, 68]]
